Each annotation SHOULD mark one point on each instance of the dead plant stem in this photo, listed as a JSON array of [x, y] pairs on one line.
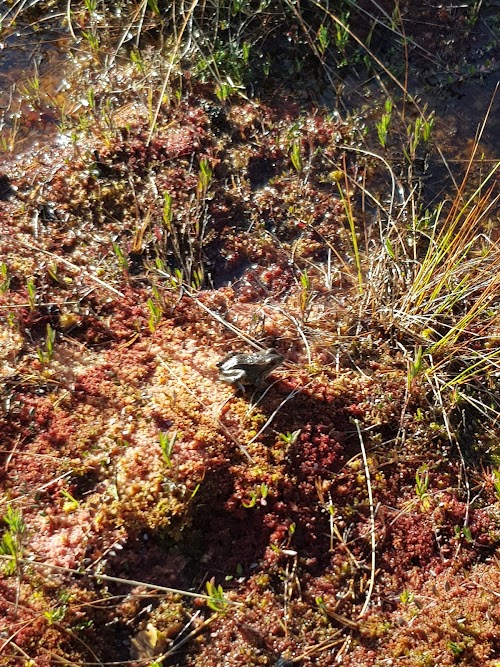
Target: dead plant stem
[[372, 522]]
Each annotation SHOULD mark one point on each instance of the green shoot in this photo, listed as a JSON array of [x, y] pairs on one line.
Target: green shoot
[[224, 90], [467, 534], [259, 494], [383, 124], [306, 295], [167, 211], [290, 438], [53, 271], [91, 99], [245, 52], [295, 156], [122, 259], [496, 483], [30, 286], [323, 39], [92, 40], [45, 355], [4, 278], [346, 201], [32, 90], [155, 314], [406, 597], [136, 59], [176, 279], [341, 35], [422, 486], [415, 367], [167, 442], [456, 648], [390, 249], [217, 601], [197, 278], [11, 543], [463, 532], [55, 615], [418, 134], [204, 179], [320, 603], [153, 6], [71, 504]]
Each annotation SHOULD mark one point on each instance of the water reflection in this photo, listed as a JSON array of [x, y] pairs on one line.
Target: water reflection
[[32, 65]]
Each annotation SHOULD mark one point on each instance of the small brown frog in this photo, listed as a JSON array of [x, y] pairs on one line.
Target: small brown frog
[[249, 369]]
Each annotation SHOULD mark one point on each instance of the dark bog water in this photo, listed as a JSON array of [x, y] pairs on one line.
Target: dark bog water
[[452, 68]]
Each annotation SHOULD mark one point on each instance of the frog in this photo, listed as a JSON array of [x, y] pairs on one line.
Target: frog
[[249, 369]]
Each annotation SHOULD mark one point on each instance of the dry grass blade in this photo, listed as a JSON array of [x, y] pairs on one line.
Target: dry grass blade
[[372, 524], [118, 580]]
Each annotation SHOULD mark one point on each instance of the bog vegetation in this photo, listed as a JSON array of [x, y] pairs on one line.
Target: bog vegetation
[[181, 181]]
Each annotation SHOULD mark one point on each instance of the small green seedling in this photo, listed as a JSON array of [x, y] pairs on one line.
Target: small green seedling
[[259, 494], [45, 355], [55, 615], [406, 597], [71, 504], [465, 533], [154, 7], [168, 212], [4, 278], [415, 366], [224, 90], [323, 39], [204, 179], [306, 295], [122, 259], [456, 649], [421, 487], [197, 278], [383, 124], [341, 36], [11, 543], [296, 156], [217, 601], [155, 314], [31, 289], [496, 482], [167, 442], [290, 438]]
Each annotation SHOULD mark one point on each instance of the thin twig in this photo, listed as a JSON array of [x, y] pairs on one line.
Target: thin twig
[[218, 318], [273, 415], [117, 580], [372, 521], [68, 19]]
